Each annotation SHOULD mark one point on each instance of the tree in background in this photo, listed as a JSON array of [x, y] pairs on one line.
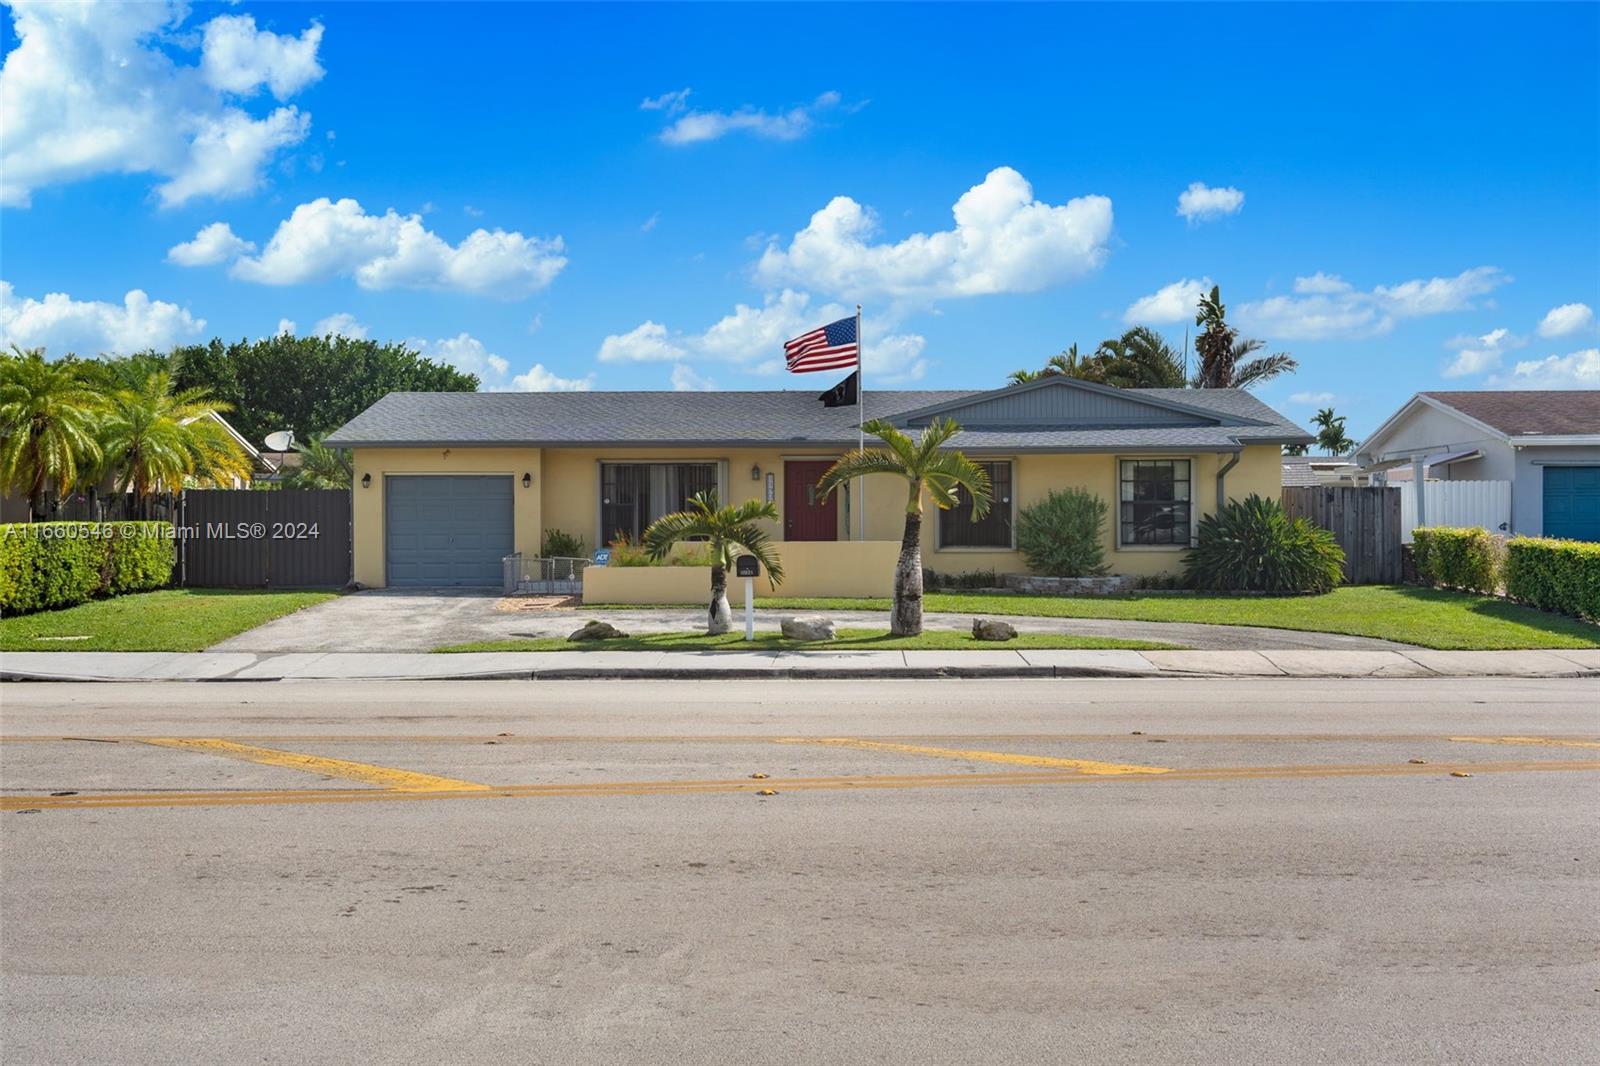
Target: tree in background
[[1225, 361], [1331, 437], [321, 467], [1139, 359], [730, 531], [47, 426], [1296, 449], [155, 438], [1067, 363]]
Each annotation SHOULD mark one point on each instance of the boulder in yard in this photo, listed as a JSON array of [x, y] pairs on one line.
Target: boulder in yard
[[989, 629], [593, 630], [807, 627]]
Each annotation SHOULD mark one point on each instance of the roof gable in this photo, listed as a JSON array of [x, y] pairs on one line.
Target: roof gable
[[1527, 412], [1063, 401]]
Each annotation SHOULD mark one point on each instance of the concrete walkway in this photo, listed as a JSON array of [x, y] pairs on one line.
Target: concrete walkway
[[866, 665]]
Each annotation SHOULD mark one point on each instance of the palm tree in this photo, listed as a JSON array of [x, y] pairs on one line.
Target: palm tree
[[731, 531], [320, 467], [927, 467], [1067, 363], [47, 423], [155, 439], [1331, 437], [1140, 359], [1296, 449], [1224, 355]]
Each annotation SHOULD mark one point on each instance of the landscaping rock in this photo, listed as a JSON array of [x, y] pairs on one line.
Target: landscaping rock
[[1039, 585], [593, 630], [807, 627], [989, 629]]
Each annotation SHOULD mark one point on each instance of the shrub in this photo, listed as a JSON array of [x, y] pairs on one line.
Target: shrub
[[1063, 534], [46, 565], [1558, 575], [967, 579], [1254, 545], [626, 553], [1456, 558], [561, 545]]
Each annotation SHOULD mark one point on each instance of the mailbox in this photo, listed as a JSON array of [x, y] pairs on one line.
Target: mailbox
[[747, 566]]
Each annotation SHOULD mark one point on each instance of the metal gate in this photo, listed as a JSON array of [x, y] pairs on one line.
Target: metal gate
[[272, 538]]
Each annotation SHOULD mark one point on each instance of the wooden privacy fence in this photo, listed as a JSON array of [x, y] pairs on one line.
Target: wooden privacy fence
[[253, 538], [1365, 521]]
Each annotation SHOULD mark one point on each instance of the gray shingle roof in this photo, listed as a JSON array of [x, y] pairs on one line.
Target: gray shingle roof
[[549, 419]]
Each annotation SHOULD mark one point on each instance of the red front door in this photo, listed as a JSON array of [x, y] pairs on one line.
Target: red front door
[[806, 515]]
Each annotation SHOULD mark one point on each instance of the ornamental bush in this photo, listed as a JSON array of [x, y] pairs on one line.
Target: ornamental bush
[[1253, 545], [1456, 559], [1557, 575], [1063, 534], [46, 565]]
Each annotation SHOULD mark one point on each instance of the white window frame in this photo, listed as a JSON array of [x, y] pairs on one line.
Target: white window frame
[[1194, 509]]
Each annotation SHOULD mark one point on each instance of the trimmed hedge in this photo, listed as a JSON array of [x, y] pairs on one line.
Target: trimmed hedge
[[1557, 575], [45, 565], [1456, 558]]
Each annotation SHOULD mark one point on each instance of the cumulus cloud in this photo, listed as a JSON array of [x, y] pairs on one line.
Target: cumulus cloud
[[684, 379], [1170, 303], [645, 343], [1313, 399], [1579, 370], [1566, 320], [286, 328], [95, 89], [1201, 203], [1003, 241], [538, 379], [1325, 306], [469, 354], [214, 244], [1479, 355], [60, 324], [341, 324], [326, 238], [695, 127]]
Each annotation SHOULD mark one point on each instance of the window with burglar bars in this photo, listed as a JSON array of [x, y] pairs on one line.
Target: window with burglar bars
[[1154, 501], [632, 495], [958, 530]]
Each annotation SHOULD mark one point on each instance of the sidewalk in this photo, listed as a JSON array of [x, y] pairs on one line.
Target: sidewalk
[[571, 665]]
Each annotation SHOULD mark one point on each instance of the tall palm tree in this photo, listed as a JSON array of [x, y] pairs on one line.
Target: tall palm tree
[[47, 426], [154, 439], [1331, 437], [1140, 359], [1224, 355], [1066, 363], [731, 531], [929, 469], [321, 467]]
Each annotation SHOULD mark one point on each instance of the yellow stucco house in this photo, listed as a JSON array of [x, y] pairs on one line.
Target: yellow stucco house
[[448, 484]]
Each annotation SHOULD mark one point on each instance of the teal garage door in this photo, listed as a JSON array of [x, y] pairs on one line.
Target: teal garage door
[[442, 531], [1572, 502]]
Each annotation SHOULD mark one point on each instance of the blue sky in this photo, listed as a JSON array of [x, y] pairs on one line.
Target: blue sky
[[1404, 197]]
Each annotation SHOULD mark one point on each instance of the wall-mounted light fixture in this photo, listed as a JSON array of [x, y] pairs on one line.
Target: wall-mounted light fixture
[[366, 481], [755, 472], [527, 481]]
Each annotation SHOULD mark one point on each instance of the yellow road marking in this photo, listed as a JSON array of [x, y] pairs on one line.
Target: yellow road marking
[[389, 778], [1084, 766], [16, 802], [1551, 742]]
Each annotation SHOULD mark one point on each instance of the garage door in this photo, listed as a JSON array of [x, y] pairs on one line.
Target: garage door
[[1572, 502], [446, 530]]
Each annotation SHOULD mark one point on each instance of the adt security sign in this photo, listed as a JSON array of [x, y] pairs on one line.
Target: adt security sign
[[749, 568]]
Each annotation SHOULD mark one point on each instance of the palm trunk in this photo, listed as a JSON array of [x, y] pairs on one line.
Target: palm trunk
[[719, 619], [906, 621]]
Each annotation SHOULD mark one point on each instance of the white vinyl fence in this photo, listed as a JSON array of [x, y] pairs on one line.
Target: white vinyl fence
[[1460, 504]]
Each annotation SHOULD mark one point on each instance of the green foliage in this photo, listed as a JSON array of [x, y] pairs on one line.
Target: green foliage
[[727, 532], [45, 565], [1139, 359], [320, 467], [560, 545], [967, 579], [1557, 575], [1224, 355], [156, 438], [47, 425], [1456, 558], [1253, 545], [1063, 534], [1331, 437]]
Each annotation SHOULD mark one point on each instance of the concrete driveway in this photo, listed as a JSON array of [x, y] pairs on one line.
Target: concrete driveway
[[425, 619]]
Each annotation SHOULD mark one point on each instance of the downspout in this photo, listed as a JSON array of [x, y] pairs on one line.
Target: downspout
[[1222, 476]]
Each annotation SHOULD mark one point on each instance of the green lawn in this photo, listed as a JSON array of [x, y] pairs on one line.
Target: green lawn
[[166, 620], [1429, 618], [847, 639]]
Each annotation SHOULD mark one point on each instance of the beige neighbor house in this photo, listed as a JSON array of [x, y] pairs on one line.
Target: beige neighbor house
[[447, 484]]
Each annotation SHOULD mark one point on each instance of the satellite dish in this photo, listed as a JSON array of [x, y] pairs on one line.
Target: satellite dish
[[280, 441]]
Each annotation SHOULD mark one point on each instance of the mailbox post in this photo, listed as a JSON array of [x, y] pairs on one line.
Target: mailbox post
[[749, 568]]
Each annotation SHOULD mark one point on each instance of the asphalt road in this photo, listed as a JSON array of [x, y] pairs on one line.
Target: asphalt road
[[949, 872]]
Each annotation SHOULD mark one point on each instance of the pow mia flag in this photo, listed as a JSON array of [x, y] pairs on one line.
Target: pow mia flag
[[842, 394]]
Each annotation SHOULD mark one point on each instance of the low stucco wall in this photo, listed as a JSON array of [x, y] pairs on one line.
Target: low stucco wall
[[811, 568]]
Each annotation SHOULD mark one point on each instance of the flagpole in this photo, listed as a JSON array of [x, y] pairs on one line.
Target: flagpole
[[861, 420]]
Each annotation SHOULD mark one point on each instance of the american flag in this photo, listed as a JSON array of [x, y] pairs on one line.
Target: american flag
[[829, 347]]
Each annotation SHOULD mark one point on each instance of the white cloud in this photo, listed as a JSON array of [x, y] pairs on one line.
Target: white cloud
[[94, 89], [1200, 203], [60, 324], [1478, 355], [1003, 241], [238, 58], [342, 324], [326, 238], [214, 244], [684, 379], [538, 379], [694, 127], [1313, 399], [286, 328], [1566, 320], [1579, 370], [1170, 303], [1325, 306], [467, 353], [645, 343], [672, 103]]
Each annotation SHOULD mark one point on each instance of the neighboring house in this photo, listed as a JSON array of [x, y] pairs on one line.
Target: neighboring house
[[448, 483], [1310, 471], [1545, 444]]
